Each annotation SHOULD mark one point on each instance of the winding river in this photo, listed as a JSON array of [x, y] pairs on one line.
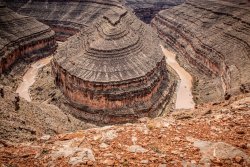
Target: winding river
[[29, 78], [184, 99]]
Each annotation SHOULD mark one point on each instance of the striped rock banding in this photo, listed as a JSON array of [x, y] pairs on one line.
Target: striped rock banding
[[22, 36], [114, 71]]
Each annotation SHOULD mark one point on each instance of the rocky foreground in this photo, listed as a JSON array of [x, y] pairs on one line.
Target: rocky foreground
[[213, 134]]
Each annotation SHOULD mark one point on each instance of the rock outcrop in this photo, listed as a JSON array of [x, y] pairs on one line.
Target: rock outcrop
[[22, 36], [147, 9], [66, 18], [114, 71], [213, 37], [211, 135]]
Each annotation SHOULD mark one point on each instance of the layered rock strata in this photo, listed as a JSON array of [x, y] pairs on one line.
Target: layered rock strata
[[66, 18], [214, 38], [22, 36], [113, 71], [147, 9]]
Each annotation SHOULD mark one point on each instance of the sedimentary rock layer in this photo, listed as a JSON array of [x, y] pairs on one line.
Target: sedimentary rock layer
[[147, 9], [21, 36], [113, 71], [214, 37], [66, 18]]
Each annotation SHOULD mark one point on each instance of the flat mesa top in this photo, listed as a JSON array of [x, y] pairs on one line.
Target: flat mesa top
[[117, 47]]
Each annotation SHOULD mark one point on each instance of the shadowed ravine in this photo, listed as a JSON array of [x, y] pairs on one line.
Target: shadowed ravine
[[184, 99]]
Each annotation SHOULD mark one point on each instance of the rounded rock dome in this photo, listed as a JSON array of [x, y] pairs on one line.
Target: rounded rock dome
[[114, 70]]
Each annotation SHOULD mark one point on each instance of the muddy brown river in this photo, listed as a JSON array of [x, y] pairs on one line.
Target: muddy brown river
[[29, 78], [184, 99]]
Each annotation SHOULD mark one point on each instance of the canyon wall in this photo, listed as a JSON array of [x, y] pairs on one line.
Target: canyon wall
[[212, 39], [66, 18], [147, 9], [22, 37], [114, 71]]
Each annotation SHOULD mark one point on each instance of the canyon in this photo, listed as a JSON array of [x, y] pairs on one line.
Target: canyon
[[196, 31], [92, 85], [110, 73], [68, 18], [65, 18]]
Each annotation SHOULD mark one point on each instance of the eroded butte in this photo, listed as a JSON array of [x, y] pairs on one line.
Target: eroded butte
[[114, 70]]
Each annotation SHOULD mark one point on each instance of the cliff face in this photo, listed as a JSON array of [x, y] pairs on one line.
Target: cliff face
[[213, 38], [114, 70], [22, 36], [147, 9], [64, 17]]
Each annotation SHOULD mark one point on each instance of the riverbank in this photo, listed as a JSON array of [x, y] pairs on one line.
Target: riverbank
[[29, 78]]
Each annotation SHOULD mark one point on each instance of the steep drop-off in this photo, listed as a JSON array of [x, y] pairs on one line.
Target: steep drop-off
[[147, 9], [211, 135], [22, 37], [212, 39], [66, 18], [114, 71]]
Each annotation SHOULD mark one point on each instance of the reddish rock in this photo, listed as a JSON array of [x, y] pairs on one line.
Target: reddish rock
[[199, 147], [239, 159]]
